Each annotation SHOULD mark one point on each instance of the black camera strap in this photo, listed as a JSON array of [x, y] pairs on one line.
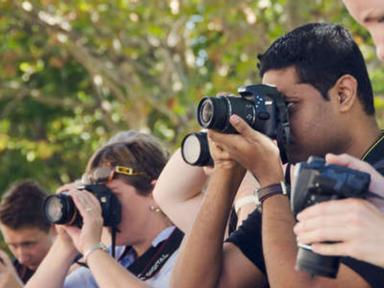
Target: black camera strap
[[114, 231], [149, 264]]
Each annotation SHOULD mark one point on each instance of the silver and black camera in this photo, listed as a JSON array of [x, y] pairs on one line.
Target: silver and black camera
[[317, 182]]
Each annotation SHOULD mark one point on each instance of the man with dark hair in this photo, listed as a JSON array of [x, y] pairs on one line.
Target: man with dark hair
[[327, 226], [26, 232], [322, 75]]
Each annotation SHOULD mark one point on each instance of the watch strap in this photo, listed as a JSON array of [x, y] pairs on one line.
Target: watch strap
[[271, 190]]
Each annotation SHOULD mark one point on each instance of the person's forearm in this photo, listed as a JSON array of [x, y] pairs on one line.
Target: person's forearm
[[117, 276], [53, 270], [246, 191], [200, 260], [280, 251], [178, 190], [279, 244]]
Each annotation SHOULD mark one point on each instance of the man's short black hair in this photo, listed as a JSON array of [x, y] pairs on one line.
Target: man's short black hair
[[22, 206], [321, 53]]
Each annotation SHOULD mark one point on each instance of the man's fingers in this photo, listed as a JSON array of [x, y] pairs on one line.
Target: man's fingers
[[223, 141], [325, 220], [332, 207], [6, 261], [217, 137], [331, 249], [333, 233], [342, 159], [377, 180], [317, 210], [350, 162], [241, 126]]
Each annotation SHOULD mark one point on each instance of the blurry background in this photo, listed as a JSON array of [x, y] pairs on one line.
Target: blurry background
[[73, 73]]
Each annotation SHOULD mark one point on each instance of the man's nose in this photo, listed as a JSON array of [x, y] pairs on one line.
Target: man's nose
[[22, 255]]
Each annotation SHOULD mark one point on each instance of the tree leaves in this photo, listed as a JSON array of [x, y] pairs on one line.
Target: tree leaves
[[74, 73]]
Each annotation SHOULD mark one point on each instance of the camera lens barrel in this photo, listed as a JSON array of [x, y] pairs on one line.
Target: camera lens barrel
[[195, 149], [317, 265], [60, 209], [214, 112]]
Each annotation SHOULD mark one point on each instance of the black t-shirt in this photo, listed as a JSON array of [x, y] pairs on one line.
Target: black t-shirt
[[248, 237], [23, 271]]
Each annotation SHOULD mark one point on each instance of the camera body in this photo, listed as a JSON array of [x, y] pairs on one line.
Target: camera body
[[317, 182], [261, 106], [60, 208]]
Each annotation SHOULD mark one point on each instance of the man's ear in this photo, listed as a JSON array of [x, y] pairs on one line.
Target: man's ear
[[345, 91]]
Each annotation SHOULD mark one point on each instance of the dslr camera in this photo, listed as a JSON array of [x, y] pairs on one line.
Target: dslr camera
[[60, 208], [261, 106], [317, 182]]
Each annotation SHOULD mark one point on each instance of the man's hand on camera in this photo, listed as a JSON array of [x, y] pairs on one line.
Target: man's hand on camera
[[354, 225], [253, 150], [220, 156], [8, 274]]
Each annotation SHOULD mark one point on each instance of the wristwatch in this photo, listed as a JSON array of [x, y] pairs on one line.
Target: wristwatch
[[268, 191], [95, 247]]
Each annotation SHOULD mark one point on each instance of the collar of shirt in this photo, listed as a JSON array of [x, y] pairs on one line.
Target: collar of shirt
[[130, 255]]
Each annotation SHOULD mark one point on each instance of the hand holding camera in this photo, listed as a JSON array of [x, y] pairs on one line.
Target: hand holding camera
[[88, 207], [349, 227], [90, 211], [261, 107], [253, 150], [317, 182]]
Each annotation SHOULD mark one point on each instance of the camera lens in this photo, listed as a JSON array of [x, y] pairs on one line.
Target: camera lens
[[54, 209], [316, 264], [195, 149], [214, 113], [206, 112], [60, 209]]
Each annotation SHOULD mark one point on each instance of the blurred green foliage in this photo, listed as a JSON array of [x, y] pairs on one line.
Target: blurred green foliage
[[73, 73]]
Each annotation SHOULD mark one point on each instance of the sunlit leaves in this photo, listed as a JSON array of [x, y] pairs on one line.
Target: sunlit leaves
[[73, 73]]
